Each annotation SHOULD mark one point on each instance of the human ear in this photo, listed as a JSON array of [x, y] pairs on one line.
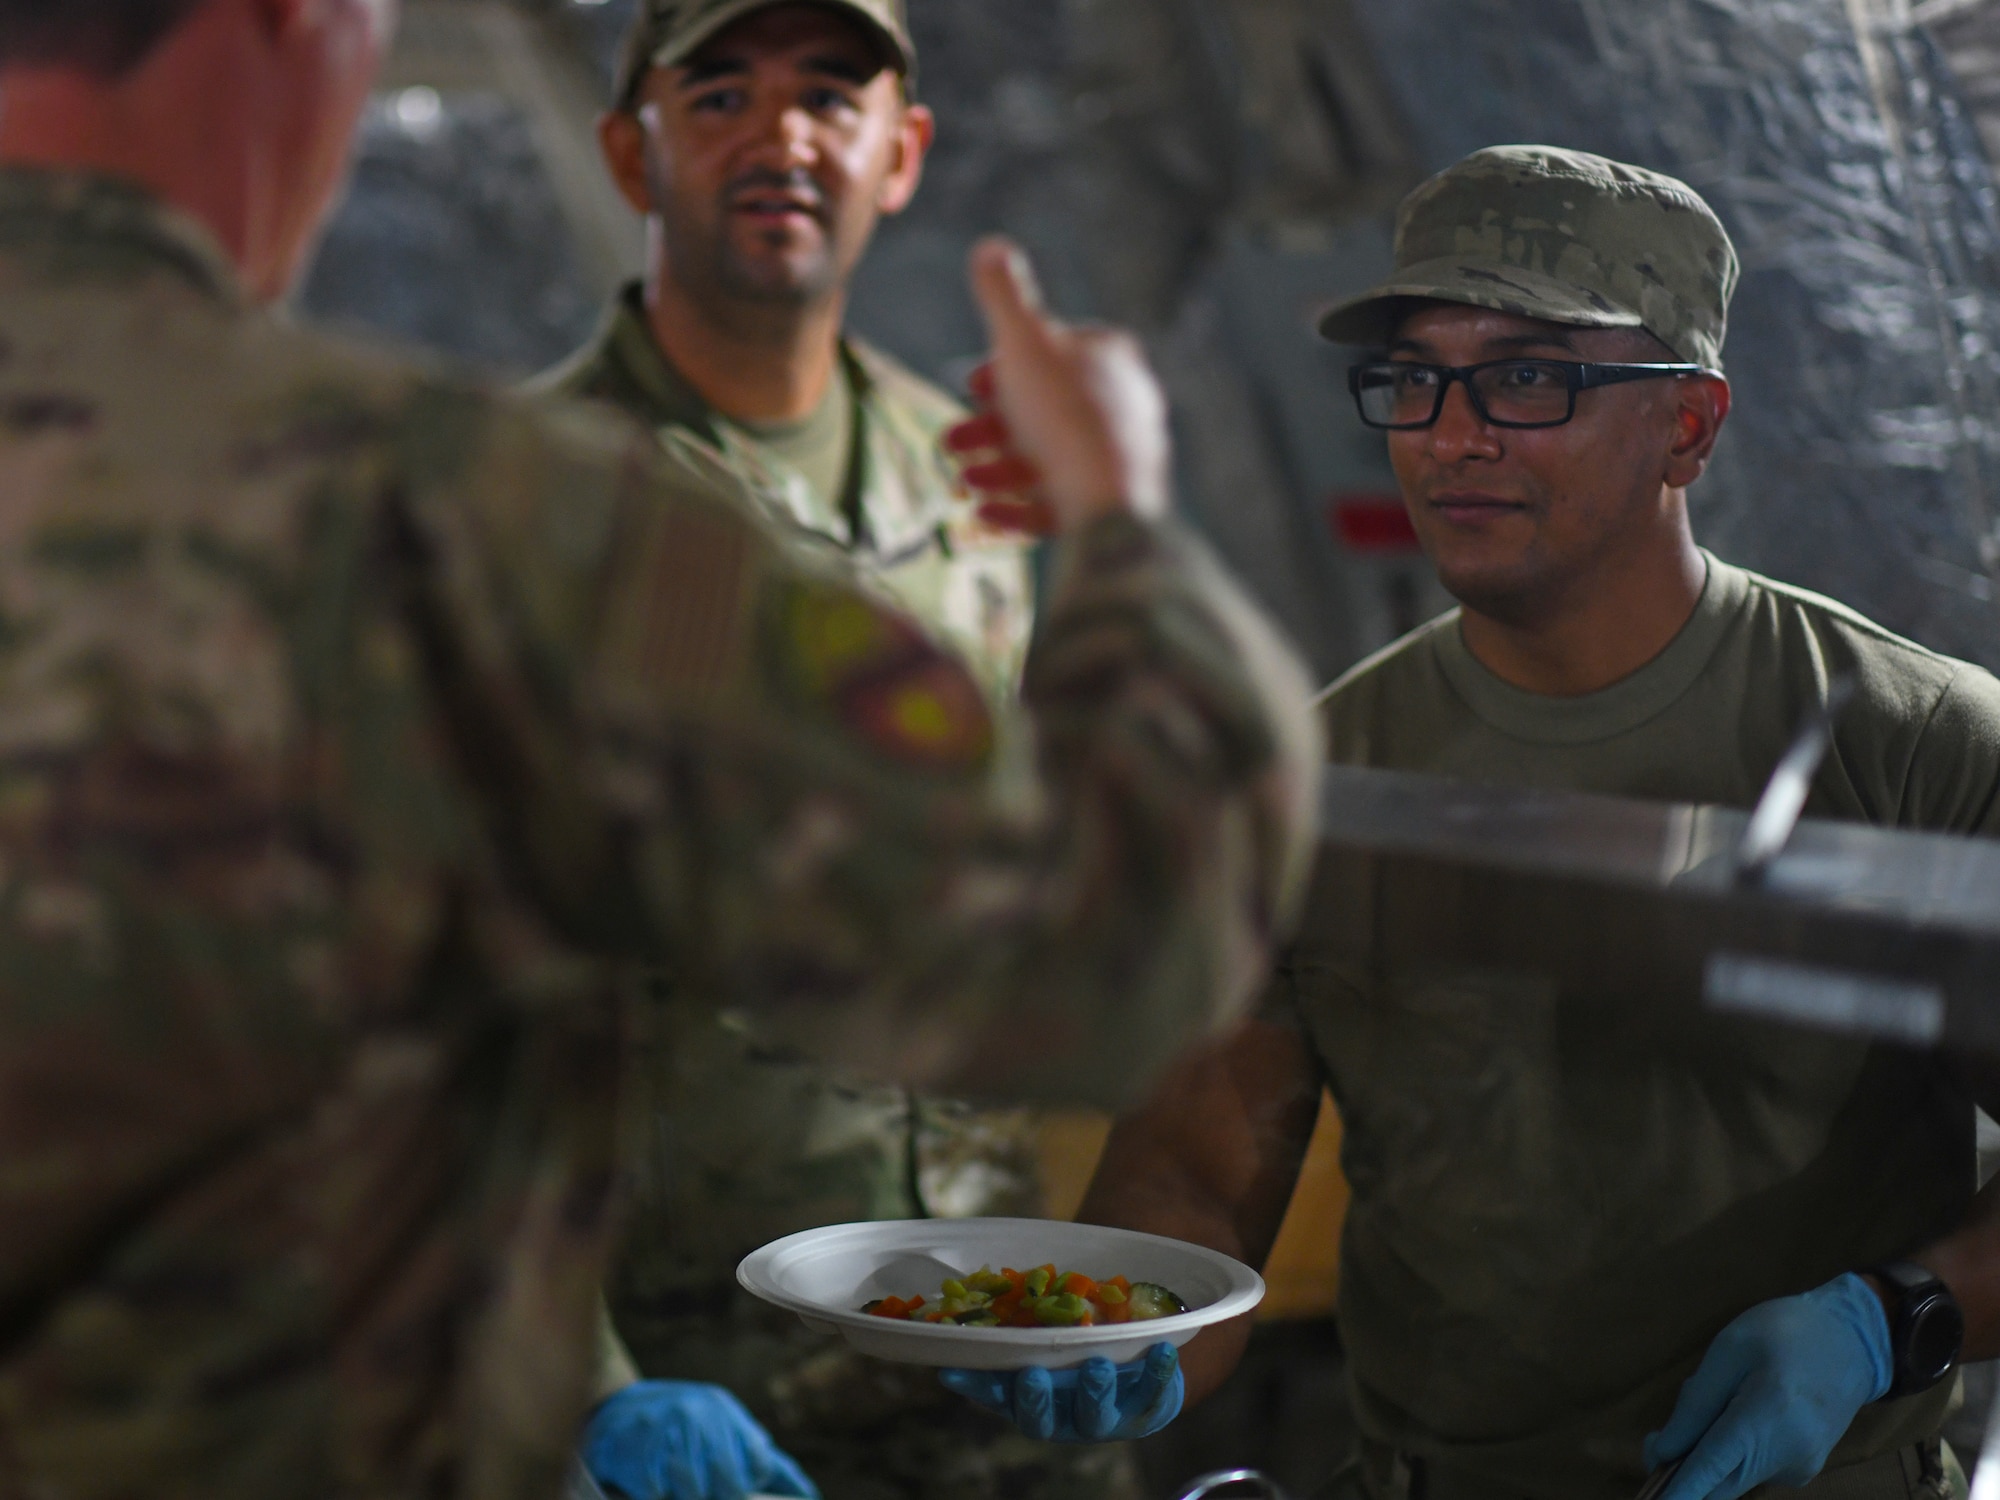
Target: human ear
[[622, 139], [914, 134], [1702, 409]]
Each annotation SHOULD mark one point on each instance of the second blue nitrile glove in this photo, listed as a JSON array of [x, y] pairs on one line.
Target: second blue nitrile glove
[[676, 1440], [1776, 1390], [1097, 1402]]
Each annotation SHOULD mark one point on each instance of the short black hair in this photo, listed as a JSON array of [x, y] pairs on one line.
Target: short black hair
[[106, 37]]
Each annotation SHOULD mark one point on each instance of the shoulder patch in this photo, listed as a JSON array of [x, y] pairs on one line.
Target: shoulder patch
[[880, 677]]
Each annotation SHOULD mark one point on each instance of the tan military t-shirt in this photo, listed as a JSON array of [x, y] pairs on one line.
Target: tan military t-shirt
[[1547, 1230], [819, 448]]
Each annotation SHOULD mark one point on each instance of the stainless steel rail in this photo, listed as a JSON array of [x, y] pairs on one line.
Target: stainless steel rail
[[1851, 928]]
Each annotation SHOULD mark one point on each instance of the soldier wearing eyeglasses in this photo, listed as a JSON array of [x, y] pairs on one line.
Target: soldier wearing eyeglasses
[[1569, 1262]]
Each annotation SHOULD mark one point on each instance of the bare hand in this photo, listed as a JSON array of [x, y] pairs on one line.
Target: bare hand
[[1073, 425]]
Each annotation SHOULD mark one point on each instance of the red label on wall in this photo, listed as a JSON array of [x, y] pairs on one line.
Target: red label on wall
[[1376, 525]]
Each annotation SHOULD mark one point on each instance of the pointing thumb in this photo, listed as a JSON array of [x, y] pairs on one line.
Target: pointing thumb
[[1009, 296]]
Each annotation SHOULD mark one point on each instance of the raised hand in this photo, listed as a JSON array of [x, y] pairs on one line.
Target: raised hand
[[1071, 423]]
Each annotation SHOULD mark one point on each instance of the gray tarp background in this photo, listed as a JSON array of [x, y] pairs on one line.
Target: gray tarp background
[[1209, 170], [452, 238]]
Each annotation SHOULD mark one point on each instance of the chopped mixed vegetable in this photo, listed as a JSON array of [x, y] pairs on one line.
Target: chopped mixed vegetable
[[1041, 1298]]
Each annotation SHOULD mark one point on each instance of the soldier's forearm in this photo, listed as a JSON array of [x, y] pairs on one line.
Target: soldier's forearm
[[1968, 1259], [1213, 1158], [1141, 1185]]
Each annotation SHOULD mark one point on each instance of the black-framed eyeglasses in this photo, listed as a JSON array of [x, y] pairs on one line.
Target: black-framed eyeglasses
[[1404, 396]]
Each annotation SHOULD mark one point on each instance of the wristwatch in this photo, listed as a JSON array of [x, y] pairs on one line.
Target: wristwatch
[[1926, 1327]]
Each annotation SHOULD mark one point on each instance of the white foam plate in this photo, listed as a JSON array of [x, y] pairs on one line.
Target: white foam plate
[[826, 1275]]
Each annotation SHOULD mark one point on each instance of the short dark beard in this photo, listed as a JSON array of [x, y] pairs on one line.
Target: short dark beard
[[736, 278], [718, 272], [1539, 592]]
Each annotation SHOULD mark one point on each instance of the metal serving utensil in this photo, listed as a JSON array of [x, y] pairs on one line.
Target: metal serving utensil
[[1662, 1477], [1234, 1484], [1778, 810]]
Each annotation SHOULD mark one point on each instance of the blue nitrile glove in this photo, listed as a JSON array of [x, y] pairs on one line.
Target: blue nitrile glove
[[676, 1440], [1097, 1402], [1776, 1390]]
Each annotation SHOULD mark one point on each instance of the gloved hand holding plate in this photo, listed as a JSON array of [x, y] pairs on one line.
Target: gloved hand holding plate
[[970, 1321]]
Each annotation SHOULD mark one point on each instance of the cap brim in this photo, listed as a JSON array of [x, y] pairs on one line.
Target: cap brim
[[1372, 317], [895, 49]]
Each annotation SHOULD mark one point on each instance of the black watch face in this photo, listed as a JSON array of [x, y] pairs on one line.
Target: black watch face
[[1937, 1333]]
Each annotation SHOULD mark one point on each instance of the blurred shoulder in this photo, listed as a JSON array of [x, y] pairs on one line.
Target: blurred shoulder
[[594, 369], [438, 426], [146, 398]]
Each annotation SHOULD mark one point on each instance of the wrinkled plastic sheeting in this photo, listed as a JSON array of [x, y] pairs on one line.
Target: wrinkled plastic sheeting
[[452, 237], [1863, 459], [599, 28]]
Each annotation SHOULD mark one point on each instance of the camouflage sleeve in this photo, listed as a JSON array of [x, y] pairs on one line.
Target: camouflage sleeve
[[811, 806]]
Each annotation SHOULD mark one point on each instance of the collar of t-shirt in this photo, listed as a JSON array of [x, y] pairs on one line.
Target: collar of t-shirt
[[1545, 720], [819, 448]]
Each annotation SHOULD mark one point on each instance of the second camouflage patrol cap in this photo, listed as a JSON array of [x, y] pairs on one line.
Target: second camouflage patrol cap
[[1559, 235], [665, 33]]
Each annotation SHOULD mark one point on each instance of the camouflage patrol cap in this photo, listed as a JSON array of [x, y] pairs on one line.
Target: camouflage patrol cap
[[1559, 235], [665, 33]]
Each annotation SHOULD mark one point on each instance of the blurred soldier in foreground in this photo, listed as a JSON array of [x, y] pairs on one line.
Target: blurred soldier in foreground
[[354, 720], [1581, 1247], [762, 140]]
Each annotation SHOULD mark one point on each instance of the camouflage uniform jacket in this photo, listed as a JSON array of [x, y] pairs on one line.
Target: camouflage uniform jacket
[[344, 710], [741, 1142]]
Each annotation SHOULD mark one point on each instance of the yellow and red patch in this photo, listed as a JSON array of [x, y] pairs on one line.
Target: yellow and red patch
[[883, 678]]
